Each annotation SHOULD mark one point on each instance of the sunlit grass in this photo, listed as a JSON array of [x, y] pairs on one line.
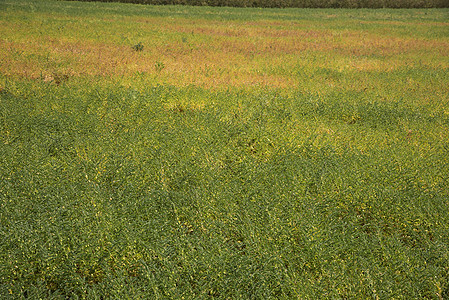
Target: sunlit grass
[[238, 154], [217, 52]]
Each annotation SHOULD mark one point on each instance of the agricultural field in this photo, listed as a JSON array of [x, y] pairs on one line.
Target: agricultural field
[[176, 152]]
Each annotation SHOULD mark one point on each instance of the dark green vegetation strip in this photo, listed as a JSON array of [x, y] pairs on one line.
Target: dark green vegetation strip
[[297, 3]]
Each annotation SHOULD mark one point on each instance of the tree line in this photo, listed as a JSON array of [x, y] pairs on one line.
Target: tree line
[[298, 3]]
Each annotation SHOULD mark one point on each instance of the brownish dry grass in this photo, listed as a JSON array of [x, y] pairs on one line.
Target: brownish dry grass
[[207, 53]]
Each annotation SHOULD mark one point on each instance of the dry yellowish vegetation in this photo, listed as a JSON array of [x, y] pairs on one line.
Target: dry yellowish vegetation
[[207, 53]]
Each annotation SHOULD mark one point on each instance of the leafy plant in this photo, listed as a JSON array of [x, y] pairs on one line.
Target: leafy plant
[[138, 47], [159, 66]]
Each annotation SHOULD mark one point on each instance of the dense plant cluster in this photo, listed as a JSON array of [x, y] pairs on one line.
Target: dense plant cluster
[[117, 192], [299, 3]]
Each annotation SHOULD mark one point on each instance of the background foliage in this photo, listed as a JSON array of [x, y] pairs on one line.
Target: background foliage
[[299, 3]]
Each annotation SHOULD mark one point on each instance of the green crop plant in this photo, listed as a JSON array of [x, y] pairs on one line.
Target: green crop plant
[[159, 66], [138, 47]]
